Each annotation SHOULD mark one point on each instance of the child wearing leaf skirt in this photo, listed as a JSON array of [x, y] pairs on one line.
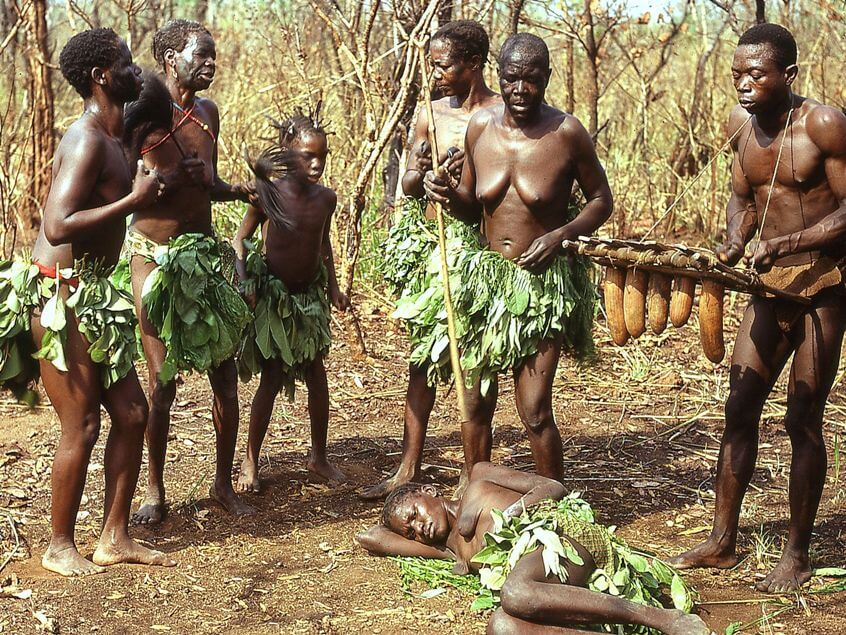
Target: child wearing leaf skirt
[[288, 279]]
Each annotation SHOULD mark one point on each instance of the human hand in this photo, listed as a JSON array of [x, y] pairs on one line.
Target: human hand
[[147, 187], [729, 253], [454, 164], [421, 158], [437, 187], [540, 253], [247, 288], [761, 254], [246, 192], [340, 300]]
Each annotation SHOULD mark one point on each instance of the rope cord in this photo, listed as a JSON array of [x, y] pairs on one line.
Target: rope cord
[[772, 181]]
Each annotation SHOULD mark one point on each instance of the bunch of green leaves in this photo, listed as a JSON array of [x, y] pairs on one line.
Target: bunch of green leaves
[[19, 371], [407, 248], [291, 327], [632, 575], [198, 315], [437, 575], [503, 311], [106, 318], [121, 278]]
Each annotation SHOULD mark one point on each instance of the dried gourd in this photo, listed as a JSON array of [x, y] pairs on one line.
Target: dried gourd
[[711, 320], [634, 301], [615, 279], [681, 300], [658, 301]]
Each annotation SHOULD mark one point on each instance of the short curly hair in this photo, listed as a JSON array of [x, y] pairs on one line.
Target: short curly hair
[[174, 35], [397, 498], [468, 38], [779, 39], [94, 48], [527, 43]]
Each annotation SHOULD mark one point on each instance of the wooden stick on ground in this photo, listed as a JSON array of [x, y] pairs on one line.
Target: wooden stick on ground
[[454, 354]]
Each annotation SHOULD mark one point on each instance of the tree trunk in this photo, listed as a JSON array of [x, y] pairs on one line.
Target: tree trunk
[[42, 140], [516, 10], [593, 70], [570, 79], [760, 11]]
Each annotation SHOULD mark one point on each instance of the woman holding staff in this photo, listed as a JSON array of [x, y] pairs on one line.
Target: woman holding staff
[[458, 52]]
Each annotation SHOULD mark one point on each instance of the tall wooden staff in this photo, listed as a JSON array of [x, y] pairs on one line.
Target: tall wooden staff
[[454, 355]]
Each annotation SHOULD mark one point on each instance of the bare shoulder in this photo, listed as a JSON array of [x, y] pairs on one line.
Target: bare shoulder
[[327, 196], [737, 119], [570, 129], [208, 109], [482, 118], [826, 127], [82, 140]]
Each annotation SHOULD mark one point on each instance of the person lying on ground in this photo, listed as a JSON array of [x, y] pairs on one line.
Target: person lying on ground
[[418, 522]]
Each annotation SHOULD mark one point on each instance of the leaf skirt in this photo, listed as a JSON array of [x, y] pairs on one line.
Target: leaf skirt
[[196, 312], [105, 317], [290, 327]]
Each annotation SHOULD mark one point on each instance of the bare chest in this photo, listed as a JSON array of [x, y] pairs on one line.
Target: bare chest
[[536, 171], [791, 157]]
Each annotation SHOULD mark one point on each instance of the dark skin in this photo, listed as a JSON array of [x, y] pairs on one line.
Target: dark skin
[[806, 219], [193, 184], [91, 195], [522, 159], [429, 526], [462, 83], [294, 256]]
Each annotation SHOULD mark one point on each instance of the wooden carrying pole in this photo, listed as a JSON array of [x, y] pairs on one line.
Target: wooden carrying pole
[[454, 354]]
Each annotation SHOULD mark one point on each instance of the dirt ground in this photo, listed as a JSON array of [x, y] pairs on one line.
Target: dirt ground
[[641, 432]]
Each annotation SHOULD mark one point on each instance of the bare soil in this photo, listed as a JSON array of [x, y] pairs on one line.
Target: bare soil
[[641, 430]]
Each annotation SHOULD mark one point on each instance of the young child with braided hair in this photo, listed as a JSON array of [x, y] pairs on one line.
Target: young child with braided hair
[[288, 279]]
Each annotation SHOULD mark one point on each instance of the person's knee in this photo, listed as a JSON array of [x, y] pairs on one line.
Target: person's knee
[[803, 420], [89, 429], [516, 598], [537, 415], [136, 415], [741, 414], [162, 396]]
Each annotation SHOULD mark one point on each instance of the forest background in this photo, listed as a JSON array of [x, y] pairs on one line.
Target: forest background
[[650, 80]]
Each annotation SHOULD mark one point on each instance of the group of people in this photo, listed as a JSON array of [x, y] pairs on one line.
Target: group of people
[[508, 166]]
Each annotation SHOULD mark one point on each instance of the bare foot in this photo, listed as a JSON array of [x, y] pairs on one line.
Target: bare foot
[[129, 552], [324, 469], [685, 624], [67, 561], [150, 513], [230, 501], [706, 554], [791, 572], [248, 480], [381, 490]]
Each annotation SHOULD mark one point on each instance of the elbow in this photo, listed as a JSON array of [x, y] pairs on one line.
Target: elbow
[[56, 232], [607, 205], [412, 184]]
